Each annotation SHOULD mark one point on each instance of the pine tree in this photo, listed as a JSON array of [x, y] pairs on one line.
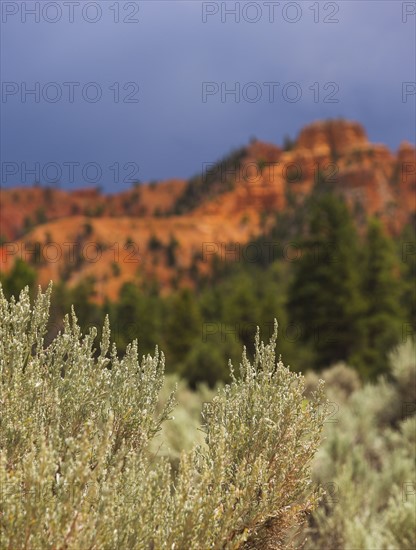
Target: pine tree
[[382, 287], [407, 255], [137, 315], [183, 326], [20, 275], [324, 297]]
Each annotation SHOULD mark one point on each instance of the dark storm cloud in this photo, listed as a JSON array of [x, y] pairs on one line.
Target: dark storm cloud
[[170, 53]]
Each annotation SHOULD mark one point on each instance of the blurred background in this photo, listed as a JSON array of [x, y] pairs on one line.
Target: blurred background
[[195, 170]]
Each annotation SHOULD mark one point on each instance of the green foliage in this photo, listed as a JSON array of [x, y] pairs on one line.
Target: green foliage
[[171, 248], [81, 297], [367, 453], [366, 464], [183, 326], [27, 224], [183, 434], [20, 276], [137, 316], [383, 315], [407, 256], [87, 229], [115, 268], [40, 215], [324, 298], [347, 299], [75, 436], [288, 143], [240, 308], [217, 179], [293, 175], [206, 361], [403, 370], [344, 295], [154, 243], [99, 210]]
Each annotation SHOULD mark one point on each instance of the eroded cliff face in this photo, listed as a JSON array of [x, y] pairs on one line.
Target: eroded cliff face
[[338, 154], [405, 175], [264, 178], [332, 137], [23, 208]]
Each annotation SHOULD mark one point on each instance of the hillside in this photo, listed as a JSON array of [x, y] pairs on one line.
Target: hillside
[[167, 231], [23, 208]]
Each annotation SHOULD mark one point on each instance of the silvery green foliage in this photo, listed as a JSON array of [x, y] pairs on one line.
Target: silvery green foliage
[[185, 432], [76, 465], [367, 464], [403, 363]]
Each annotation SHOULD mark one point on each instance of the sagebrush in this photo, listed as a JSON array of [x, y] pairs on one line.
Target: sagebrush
[[77, 462], [367, 461]]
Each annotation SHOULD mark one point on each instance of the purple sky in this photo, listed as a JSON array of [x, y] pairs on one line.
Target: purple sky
[[357, 54]]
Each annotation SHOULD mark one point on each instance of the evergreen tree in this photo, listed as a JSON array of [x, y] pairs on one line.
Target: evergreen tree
[[89, 314], [381, 285], [183, 327], [324, 297], [207, 361], [20, 275], [137, 316], [407, 258], [271, 287], [241, 309]]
